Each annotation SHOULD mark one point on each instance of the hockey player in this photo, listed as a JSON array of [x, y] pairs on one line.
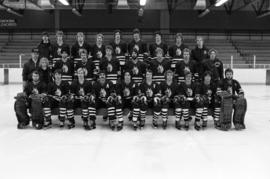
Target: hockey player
[[87, 65], [35, 92], [187, 65], [158, 44], [214, 65], [110, 65], [84, 98], [148, 96], [136, 68], [127, 90], [199, 53], [103, 89], [185, 100], [57, 97], [234, 88], [45, 47], [66, 65], [207, 91], [138, 44], [98, 50], [159, 66], [79, 46], [30, 66], [176, 51], [119, 48], [168, 89], [58, 46]]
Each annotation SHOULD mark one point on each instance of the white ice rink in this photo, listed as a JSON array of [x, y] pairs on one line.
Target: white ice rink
[[149, 153]]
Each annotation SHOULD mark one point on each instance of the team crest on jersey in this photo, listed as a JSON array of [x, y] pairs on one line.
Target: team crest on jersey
[[35, 91], [178, 52], [85, 71], [189, 92], [205, 52], [117, 50], [58, 92], [230, 89], [126, 92], [109, 68], [136, 47], [81, 50], [81, 91], [135, 70], [59, 51], [168, 92], [149, 93], [99, 54], [102, 93], [209, 92], [160, 69], [186, 69], [65, 68]]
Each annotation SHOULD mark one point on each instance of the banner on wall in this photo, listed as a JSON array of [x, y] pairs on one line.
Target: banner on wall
[[8, 23]]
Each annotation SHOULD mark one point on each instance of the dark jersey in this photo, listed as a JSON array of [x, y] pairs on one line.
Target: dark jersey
[[168, 90], [159, 68], [176, 53], [67, 69], [45, 50], [111, 68], [103, 90], [232, 86], [182, 67], [126, 90], [56, 51], [28, 68], [153, 47], [140, 46], [58, 90], [150, 91], [137, 70], [35, 88], [88, 67], [76, 49], [207, 90], [188, 90], [120, 50], [81, 89]]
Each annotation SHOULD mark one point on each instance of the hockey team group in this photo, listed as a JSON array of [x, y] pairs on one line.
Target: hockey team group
[[157, 78]]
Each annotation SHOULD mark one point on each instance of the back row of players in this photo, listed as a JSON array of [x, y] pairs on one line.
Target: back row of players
[[136, 81]]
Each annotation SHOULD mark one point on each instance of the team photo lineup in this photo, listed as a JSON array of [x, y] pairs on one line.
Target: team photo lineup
[[129, 80]]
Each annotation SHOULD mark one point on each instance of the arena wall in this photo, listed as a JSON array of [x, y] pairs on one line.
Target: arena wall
[[244, 76]]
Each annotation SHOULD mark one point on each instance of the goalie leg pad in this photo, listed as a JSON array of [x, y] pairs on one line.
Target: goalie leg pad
[[240, 108]]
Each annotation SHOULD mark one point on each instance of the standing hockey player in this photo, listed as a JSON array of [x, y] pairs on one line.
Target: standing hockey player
[[234, 88], [98, 50], [159, 66], [158, 44], [169, 90], [187, 65], [136, 68], [45, 47], [138, 44], [66, 65], [83, 94], [110, 65], [58, 46]]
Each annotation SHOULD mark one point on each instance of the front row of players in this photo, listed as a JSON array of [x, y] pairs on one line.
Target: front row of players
[[90, 96]]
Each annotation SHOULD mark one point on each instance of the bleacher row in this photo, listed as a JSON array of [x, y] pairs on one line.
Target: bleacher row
[[12, 45]]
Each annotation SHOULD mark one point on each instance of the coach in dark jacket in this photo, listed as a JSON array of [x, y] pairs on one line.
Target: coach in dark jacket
[[30, 66]]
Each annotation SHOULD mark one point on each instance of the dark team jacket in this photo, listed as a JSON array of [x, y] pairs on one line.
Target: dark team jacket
[[169, 90], [63, 88], [153, 47], [40, 87], [81, 89], [181, 67], [122, 46], [28, 68], [45, 50], [142, 46], [137, 70], [45, 75], [126, 90], [177, 51], [199, 55], [56, 49], [103, 91], [232, 86], [215, 66], [76, 49], [88, 68], [150, 91]]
